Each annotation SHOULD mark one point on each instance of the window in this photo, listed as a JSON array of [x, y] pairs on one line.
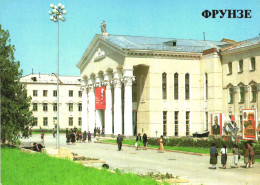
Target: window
[[55, 107], [253, 93], [187, 86], [35, 93], [164, 85], [231, 95], [241, 122], [79, 121], [80, 107], [206, 86], [241, 94], [35, 107], [70, 106], [35, 121], [187, 123], [176, 86], [240, 70], [80, 93], [55, 93], [164, 123], [45, 93], [45, 106], [252, 62], [54, 120], [45, 121], [70, 93], [229, 68], [176, 123], [207, 121], [70, 121]]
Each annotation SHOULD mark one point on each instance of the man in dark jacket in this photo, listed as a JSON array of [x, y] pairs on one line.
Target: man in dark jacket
[[119, 141]]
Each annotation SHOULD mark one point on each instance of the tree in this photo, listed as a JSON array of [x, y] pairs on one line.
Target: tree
[[16, 116]]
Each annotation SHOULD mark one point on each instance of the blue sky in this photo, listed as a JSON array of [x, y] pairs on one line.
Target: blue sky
[[34, 35]]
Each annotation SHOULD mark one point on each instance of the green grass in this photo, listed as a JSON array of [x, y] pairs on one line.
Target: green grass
[[178, 148], [24, 169], [257, 160]]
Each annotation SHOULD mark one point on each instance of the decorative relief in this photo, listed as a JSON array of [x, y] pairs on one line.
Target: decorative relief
[[128, 80], [116, 82], [107, 84], [99, 55], [90, 87]]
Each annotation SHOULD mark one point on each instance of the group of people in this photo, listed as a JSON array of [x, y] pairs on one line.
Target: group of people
[[140, 140], [247, 150], [98, 131], [74, 136]]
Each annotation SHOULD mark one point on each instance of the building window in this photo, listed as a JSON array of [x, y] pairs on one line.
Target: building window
[[176, 123], [207, 121], [79, 121], [164, 123], [45, 93], [231, 95], [35, 121], [70, 107], [55, 93], [229, 68], [241, 94], [206, 86], [45, 106], [45, 121], [70, 93], [253, 93], [55, 107], [187, 123], [240, 66], [80, 93], [35, 93], [241, 122], [176, 86], [80, 107], [164, 85], [35, 107], [54, 121], [70, 121], [252, 64], [187, 86]]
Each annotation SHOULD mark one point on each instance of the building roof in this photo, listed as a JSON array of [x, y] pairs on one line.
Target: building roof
[[50, 78], [127, 42], [245, 43]]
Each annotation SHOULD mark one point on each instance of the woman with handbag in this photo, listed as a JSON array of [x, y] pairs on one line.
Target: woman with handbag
[[213, 155], [236, 155]]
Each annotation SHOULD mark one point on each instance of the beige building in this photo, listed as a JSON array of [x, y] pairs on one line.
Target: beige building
[[43, 90]]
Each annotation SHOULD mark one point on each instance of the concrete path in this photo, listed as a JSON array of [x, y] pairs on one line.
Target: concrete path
[[191, 167]]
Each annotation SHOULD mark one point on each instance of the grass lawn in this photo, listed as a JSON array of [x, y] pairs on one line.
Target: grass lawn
[[178, 148], [257, 160], [25, 168]]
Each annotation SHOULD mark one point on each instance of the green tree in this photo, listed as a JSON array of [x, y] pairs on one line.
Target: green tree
[[16, 116]]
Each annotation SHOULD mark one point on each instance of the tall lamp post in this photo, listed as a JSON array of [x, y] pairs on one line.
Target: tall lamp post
[[57, 13]]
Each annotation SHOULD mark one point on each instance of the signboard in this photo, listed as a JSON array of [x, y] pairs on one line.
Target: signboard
[[249, 124], [216, 124], [100, 97]]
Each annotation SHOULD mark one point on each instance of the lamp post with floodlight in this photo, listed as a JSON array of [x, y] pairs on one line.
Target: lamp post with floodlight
[[57, 13]]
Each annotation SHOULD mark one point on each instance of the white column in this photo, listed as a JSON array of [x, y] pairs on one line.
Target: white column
[[108, 111], [128, 119], [84, 113], [91, 106], [117, 103]]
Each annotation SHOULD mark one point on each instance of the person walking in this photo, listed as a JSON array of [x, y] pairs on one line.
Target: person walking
[[89, 136], [84, 136], [53, 132], [246, 154], [119, 141], [95, 131], [145, 141], [138, 141], [30, 132], [73, 138], [251, 154], [80, 137], [42, 137], [160, 141], [223, 152], [235, 155], [213, 155]]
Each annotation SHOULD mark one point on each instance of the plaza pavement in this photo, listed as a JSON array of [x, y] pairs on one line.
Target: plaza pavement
[[191, 167]]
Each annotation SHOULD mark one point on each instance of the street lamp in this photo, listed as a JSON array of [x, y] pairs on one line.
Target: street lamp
[[57, 13]]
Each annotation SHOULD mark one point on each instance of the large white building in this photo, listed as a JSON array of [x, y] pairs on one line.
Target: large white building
[[43, 90]]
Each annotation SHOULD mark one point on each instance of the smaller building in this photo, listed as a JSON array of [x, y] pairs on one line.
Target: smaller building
[[43, 90]]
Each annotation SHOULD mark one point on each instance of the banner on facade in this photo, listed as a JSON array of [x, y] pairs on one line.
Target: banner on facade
[[100, 97], [216, 124], [249, 124]]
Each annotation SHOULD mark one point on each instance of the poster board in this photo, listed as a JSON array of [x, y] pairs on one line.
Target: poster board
[[249, 124], [100, 98], [216, 124]]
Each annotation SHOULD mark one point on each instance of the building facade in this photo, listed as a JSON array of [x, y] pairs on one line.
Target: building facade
[[43, 90]]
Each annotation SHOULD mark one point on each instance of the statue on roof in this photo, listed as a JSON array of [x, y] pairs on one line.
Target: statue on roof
[[103, 27]]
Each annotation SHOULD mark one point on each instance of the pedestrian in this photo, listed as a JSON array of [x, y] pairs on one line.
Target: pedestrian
[[80, 137], [223, 152], [251, 154], [246, 154], [138, 141], [145, 141], [95, 131], [236, 155], [42, 137], [84, 136], [119, 141], [98, 131], [89, 136], [160, 141], [30, 132], [67, 133], [213, 156], [73, 138], [53, 133], [69, 137]]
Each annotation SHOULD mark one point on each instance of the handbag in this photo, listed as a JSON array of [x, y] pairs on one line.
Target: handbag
[[238, 156], [135, 144]]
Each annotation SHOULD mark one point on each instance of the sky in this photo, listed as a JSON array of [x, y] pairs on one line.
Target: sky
[[35, 36]]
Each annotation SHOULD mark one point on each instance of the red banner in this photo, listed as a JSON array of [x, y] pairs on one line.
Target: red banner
[[100, 97], [249, 124]]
